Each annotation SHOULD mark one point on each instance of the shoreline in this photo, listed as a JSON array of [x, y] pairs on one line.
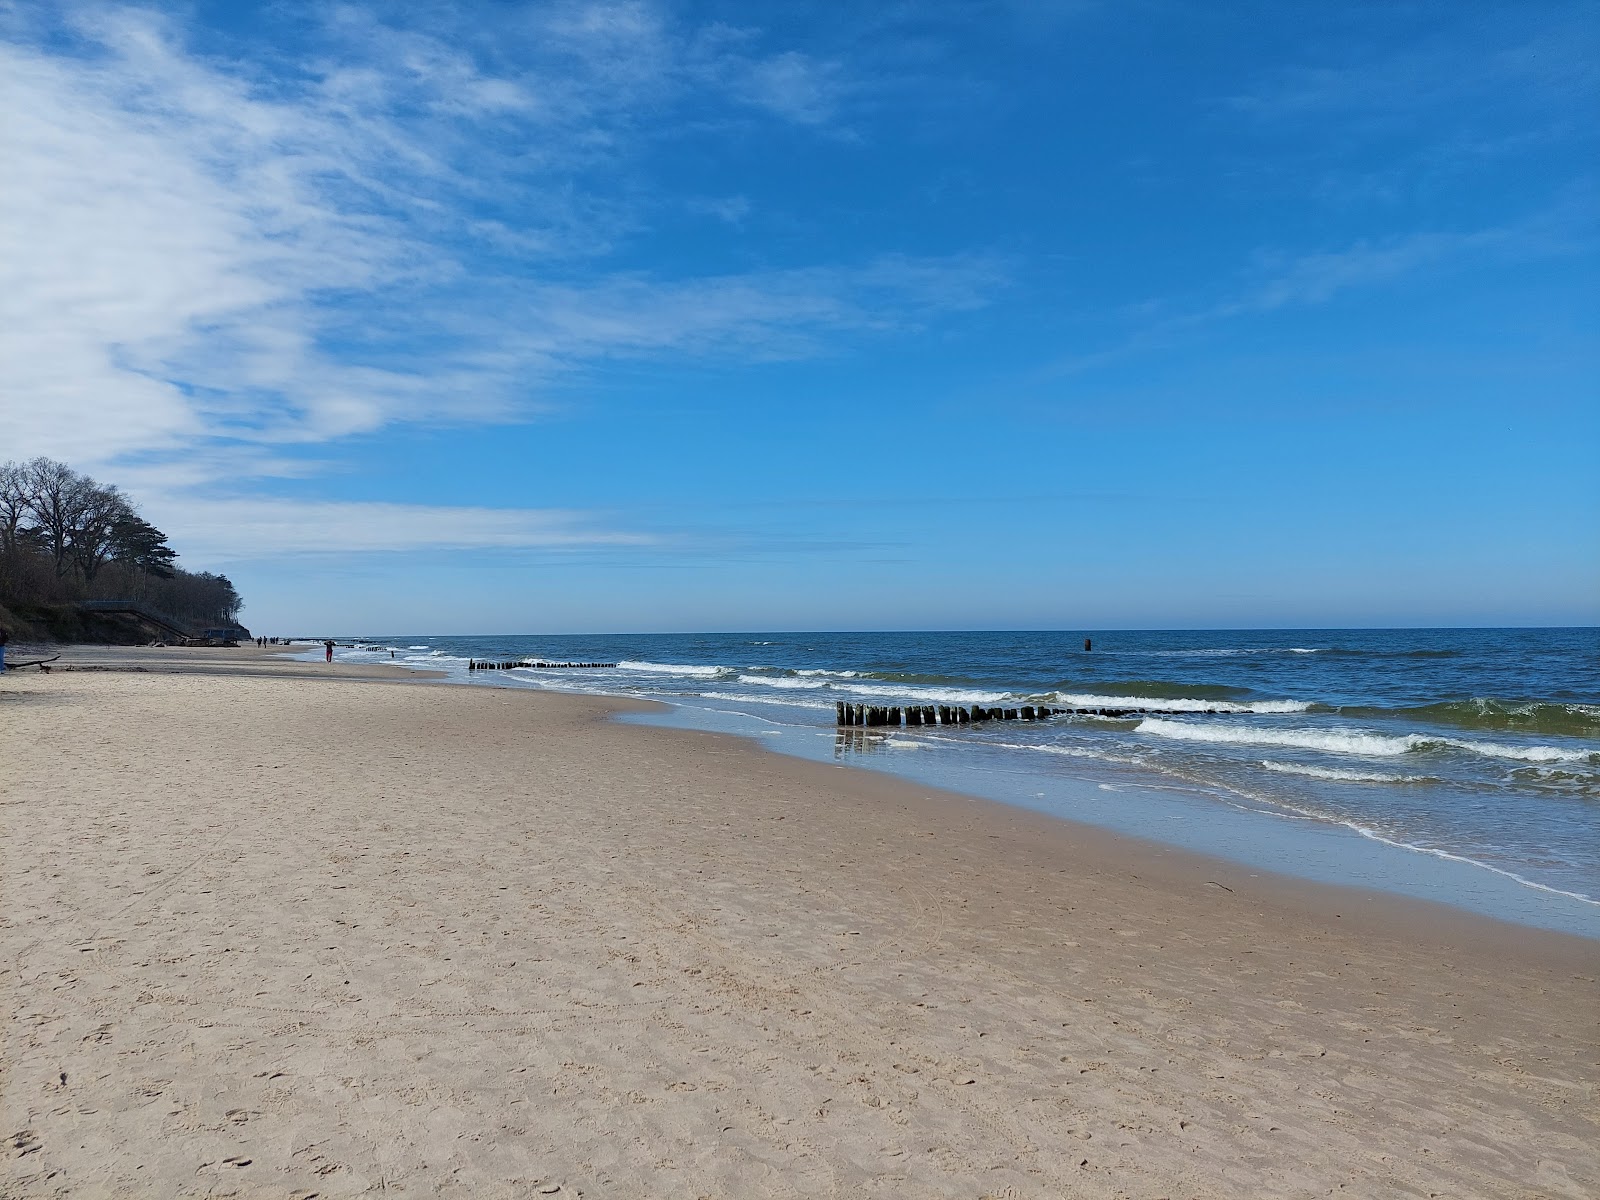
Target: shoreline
[[275, 661], [654, 945], [1264, 835]]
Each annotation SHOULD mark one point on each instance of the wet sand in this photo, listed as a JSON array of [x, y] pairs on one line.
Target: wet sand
[[266, 934]]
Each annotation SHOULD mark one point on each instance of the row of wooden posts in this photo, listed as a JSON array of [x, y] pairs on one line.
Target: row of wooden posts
[[474, 665], [944, 714]]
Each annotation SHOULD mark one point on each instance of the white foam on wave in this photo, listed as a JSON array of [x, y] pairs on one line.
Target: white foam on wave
[[417, 647], [830, 674], [1218, 651], [1339, 773], [1180, 703], [691, 670], [790, 701], [915, 694], [1351, 741], [778, 681]]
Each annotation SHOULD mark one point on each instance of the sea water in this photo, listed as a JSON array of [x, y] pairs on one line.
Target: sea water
[[1455, 765]]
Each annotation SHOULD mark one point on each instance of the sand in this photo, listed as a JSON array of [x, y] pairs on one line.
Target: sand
[[268, 935]]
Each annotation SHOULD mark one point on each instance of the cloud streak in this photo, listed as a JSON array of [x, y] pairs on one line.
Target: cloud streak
[[1276, 280], [202, 252], [228, 530]]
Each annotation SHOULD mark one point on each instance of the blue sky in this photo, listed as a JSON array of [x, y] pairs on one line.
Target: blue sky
[[649, 316]]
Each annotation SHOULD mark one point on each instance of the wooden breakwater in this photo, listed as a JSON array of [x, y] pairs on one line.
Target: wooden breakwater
[[944, 714], [474, 665]]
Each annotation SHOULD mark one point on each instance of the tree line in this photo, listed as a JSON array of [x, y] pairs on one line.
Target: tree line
[[66, 537]]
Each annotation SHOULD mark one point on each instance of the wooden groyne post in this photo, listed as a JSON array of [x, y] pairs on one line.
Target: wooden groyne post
[[872, 716], [475, 665]]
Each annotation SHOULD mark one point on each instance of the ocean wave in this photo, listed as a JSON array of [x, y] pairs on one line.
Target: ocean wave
[[1080, 752], [1176, 704], [690, 670], [747, 698], [1352, 741], [1556, 781], [1152, 689], [851, 686], [1342, 775], [778, 681], [1356, 652], [419, 647], [1218, 651], [918, 679], [1489, 712], [1100, 755], [926, 695]]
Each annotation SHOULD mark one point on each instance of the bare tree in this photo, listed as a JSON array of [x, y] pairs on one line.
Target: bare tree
[[16, 504], [60, 498], [92, 539]]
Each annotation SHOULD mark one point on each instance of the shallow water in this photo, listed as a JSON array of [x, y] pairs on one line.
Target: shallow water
[[1459, 764]]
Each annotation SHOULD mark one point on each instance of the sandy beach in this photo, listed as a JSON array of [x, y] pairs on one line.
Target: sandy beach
[[268, 931]]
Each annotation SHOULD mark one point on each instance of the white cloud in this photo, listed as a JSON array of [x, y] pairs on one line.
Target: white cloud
[[795, 86], [161, 231], [1276, 280], [199, 256], [1284, 280], [765, 315], [1543, 58]]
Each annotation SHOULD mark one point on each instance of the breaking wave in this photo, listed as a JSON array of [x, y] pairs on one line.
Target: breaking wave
[[1352, 741], [1339, 773], [1487, 712], [1176, 704], [690, 670], [778, 681]]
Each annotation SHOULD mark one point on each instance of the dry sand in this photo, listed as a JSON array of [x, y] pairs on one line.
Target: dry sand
[[280, 937]]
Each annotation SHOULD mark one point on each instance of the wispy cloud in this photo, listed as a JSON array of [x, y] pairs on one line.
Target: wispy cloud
[[1540, 62], [221, 529], [208, 258], [1281, 280], [1424, 105], [1275, 279]]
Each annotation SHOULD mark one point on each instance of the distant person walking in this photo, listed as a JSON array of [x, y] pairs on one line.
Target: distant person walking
[[329, 644], [4, 638]]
